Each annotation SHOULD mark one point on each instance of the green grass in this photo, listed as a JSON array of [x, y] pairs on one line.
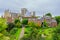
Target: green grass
[[18, 33]]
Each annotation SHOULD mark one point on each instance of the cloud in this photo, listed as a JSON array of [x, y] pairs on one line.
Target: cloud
[[40, 6]]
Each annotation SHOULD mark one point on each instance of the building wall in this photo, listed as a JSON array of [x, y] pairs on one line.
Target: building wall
[[7, 14], [50, 22], [9, 20], [38, 22], [53, 24], [23, 11], [10, 16]]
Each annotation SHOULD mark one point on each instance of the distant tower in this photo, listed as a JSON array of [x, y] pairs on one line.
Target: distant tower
[[7, 14], [23, 11], [33, 13]]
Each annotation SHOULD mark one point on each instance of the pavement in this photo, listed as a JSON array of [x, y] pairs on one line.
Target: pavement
[[21, 33]]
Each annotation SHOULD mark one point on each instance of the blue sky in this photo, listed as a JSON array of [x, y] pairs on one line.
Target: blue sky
[[40, 6]]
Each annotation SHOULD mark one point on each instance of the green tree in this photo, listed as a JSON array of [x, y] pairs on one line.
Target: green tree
[[3, 24], [56, 35], [17, 23], [33, 34], [25, 21], [44, 24], [57, 19], [10, 26], [33, 25], [48, 14]]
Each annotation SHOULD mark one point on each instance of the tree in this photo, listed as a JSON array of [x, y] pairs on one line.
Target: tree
[[25, 21], [3, 24], [57, 19], [56, 35], [17, 23], [33, 25], [10, 26], [48, 14], [33, 33], [44, 24]]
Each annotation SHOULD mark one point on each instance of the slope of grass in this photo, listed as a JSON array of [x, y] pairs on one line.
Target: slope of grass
[[18, 33], [15, 35]]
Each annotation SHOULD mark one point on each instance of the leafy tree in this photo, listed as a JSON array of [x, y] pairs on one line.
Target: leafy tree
[[48, 14], [10, 26], [33, 33], [3, 24], [57, 19], [56, 35], [13, 31], [25, 21], [17, 23], [44, 24], [33, 25]]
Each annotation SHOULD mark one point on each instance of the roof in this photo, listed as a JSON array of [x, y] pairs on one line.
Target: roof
[[47, 17], [53, 20], [29, 17], [14, 14]]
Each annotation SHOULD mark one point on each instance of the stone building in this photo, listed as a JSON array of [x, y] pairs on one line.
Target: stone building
[[25, 14], [49, 20], [10, 16]]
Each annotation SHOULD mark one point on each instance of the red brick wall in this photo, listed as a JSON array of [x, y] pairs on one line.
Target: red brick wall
[[9, 19], [38, 22], [53, 24]]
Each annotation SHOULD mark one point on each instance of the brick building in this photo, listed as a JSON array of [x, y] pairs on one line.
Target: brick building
[[25, 14], [49, 20]]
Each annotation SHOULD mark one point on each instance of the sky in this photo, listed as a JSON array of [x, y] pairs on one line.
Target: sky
[[41, 7]]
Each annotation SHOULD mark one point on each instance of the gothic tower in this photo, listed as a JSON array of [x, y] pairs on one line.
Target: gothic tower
[[23, 11], [7, 14]]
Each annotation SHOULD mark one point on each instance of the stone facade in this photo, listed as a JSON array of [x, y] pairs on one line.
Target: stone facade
[[49, 20], [10, 16], [25, 14], [37, 21]]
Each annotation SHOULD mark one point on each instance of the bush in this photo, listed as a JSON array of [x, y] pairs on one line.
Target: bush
[[25, 21], [10, 26], [13, 31], [3, 24]]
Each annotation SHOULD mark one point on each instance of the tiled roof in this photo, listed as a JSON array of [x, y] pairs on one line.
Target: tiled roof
[[14, 14], [53, 20], [47, 17]]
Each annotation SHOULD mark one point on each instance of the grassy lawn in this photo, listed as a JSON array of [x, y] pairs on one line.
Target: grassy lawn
[[46, 30], [18, 33], [27, 31]]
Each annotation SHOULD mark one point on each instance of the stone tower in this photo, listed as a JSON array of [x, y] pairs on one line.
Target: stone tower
[[33, 13], [7, 14], [23, 11]]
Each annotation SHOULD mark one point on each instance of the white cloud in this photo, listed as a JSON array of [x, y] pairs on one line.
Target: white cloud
[[40, 6]]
